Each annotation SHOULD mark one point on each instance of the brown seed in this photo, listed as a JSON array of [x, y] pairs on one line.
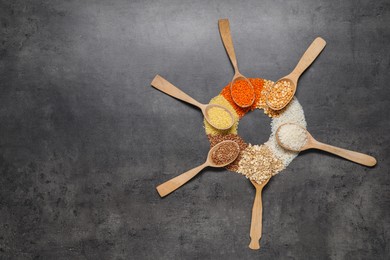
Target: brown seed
[[215, 139], [225, 153]]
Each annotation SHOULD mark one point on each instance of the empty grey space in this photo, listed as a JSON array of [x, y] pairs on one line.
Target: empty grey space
[[85, 139]]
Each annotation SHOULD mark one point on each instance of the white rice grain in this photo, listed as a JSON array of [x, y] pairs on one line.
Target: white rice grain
[[292, 136], [293, 114]]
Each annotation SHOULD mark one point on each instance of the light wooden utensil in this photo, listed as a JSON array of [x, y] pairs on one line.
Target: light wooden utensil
[[175, 183], [224, 30], [312, 143], [307, 59], [257, 216], [165, 86]]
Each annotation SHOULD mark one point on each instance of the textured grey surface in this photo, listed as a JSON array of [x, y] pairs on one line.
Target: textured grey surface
[[84, 139]]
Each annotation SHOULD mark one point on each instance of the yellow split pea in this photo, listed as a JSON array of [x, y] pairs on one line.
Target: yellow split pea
[[280, 94]]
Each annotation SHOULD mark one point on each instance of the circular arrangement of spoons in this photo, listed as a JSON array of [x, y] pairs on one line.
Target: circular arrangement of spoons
[[289, 136]]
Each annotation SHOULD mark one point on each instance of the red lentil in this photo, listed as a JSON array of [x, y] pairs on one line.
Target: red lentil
[[242, 93], [257, 86]]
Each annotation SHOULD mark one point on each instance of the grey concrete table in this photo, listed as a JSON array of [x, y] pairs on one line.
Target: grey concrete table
[[84, 139]]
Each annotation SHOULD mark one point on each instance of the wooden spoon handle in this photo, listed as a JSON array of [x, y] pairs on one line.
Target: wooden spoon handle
[[360, 158], [309, 56], [165, 86], [257, 221], [175, 183], [224, 30]]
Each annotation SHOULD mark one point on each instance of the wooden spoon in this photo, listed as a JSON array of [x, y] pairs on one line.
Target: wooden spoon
[[257, 216], [224, 30], [307, 59], [175, 183], [162, 84], [311, 143]]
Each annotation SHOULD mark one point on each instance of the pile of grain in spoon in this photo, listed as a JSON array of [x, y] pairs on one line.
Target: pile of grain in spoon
[[292, 136], [225, 153]]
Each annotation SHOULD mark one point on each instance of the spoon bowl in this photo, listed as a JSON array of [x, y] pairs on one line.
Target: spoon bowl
[[306, 60], [224, 30], [173, 184], [293, 82], [312, 143], [216, 147], [168, 88], [289, 148], [205, 111], [237, 77]]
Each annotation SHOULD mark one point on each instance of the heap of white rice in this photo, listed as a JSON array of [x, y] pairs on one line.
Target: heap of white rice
[[292, 114]]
